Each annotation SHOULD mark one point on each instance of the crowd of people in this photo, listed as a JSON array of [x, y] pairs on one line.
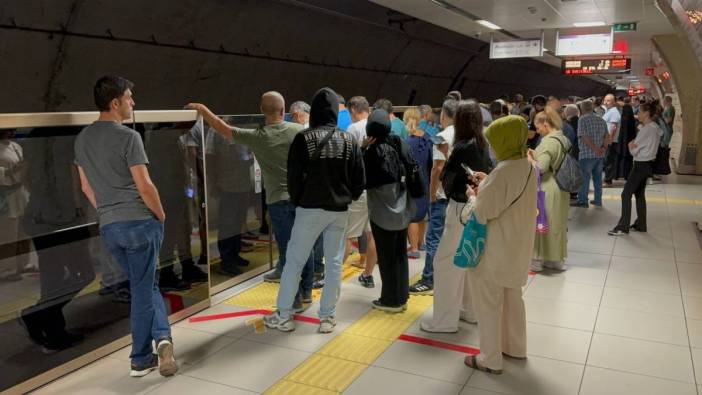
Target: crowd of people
[[342, 171]]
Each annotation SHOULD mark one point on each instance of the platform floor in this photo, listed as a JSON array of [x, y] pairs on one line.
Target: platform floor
[[625, 318]]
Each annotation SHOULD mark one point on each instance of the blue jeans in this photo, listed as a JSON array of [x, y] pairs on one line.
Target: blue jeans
[[135, 245], [309, 224], [282, 219], [437, 217], [591, 167]]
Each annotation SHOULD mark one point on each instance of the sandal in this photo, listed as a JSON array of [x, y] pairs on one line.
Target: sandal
[[513, 357], [472, 362]]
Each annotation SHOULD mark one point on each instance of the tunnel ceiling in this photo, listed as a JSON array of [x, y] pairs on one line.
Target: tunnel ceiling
[[227, 52]]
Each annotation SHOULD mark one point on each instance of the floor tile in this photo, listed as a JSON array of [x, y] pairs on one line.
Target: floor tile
[[467, 334], [697, 362], [563, 314], [694, 330], [583, 268], [421, 360], [190, 346], [643, 301], [690, 278], [477, 391], [643, 275], [564, 344], [645, 326], [559, 290], [185, 385], [693, 307], [599, 381], [240, 365], [644, 245], [105, 376], [642, 357], [351, 306], [304, 338], [231, 327], [381, 381], [537, 376]]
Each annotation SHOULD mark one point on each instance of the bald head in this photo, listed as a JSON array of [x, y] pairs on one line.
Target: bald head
[[272, 104], [609, 101]]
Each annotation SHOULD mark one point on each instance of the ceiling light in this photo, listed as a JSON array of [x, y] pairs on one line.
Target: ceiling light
[[488, 24], [589, 24]]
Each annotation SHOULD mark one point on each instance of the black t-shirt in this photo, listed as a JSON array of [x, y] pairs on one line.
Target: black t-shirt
[[454, 178]]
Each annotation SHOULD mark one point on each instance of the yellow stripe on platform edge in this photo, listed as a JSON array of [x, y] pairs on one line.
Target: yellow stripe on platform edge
[[333, 368]]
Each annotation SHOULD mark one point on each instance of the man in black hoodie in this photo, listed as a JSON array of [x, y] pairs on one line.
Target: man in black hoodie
[[325, 173]]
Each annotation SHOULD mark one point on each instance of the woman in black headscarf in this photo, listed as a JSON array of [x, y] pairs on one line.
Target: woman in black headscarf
[[626, 134]]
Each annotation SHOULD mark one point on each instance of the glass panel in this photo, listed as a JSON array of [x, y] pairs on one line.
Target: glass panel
[[62, 295], [239, 234]]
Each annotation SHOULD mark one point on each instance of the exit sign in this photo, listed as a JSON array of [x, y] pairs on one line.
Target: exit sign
[[624, 27]]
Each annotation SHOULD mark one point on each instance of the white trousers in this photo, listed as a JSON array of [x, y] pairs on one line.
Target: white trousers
[[501, 321], [452, 295]]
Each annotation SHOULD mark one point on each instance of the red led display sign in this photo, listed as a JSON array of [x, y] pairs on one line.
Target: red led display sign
[[596, 66], [650, 71]]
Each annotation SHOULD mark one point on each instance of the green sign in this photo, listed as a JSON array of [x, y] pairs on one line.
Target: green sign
[[625, 27]]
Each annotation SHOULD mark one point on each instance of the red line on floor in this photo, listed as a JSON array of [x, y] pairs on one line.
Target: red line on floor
[[212, 317], [439, 344]]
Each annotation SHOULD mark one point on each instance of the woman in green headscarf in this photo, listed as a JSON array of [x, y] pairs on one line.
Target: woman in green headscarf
[[506, 201]]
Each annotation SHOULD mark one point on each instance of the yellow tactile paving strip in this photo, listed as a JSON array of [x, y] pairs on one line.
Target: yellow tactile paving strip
[[333, 368], [263, 296]]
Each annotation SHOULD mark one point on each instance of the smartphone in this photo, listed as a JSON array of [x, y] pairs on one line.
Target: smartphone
[[472, 180]]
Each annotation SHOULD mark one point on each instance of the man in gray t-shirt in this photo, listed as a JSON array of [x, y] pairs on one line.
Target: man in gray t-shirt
[[112, 163]]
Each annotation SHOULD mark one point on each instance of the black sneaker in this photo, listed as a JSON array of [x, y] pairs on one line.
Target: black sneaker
[[168, 282], [193, 274], [272, 277], [366, 281], [142, 370], [594, 203], [376, 304], [242, 262], [617, 231], [580, 205], [167, 365], [306, 296], [318, 284], [228, 270], [62, 342], [421, 288]]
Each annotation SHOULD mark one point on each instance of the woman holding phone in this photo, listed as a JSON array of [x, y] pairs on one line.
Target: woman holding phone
[[452, 300]]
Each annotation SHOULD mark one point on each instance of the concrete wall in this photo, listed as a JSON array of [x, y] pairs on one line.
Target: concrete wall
[[227, 52]]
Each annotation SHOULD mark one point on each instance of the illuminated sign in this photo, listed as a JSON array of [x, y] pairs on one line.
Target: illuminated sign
[[516, 49], [665, 75], [650, 71], [584, 44], [596, 66], [624, 27]]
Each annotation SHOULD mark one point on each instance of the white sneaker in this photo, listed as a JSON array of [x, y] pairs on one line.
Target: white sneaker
[[555, 265], [427, 327], [275, 321], [327, 324], [468, 317], [536, 265]]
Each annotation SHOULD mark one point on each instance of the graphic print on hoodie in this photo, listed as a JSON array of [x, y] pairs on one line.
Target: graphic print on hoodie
[[337, 177]]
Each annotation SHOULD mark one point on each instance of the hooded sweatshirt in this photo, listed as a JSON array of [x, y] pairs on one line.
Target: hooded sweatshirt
[[336, 176]]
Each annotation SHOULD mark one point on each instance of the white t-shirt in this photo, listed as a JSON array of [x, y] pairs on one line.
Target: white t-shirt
[[612, 116], [448, 135], [647, 140], [358, 130]]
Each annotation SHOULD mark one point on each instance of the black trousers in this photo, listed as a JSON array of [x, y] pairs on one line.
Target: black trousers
[[392, 263], [636, 186], [610, 163]]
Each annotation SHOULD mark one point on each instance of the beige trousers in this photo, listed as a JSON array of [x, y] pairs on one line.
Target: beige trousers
[[452, 295], [501, 321]]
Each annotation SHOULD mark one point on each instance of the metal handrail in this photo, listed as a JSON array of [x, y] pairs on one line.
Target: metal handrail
[[82, 118]]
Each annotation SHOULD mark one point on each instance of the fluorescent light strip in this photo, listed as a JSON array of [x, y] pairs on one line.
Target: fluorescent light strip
[[488, 24], [589, 24]]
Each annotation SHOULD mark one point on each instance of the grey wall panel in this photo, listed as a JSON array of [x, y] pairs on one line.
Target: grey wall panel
[[227, 52]]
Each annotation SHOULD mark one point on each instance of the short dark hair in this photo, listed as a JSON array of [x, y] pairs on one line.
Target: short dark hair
[[108, 88], [450, 107], [341, 99], [358, 104], [383, 104], [653, 108], [469, 123], [539, 99]]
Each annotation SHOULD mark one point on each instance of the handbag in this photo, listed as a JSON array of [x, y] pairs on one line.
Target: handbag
[[661, 166], [541, 219], [568, 176], [413, 174], [472, 245]]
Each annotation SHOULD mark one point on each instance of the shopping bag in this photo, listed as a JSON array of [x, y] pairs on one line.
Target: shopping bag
[[472, 244], [541, 219]]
